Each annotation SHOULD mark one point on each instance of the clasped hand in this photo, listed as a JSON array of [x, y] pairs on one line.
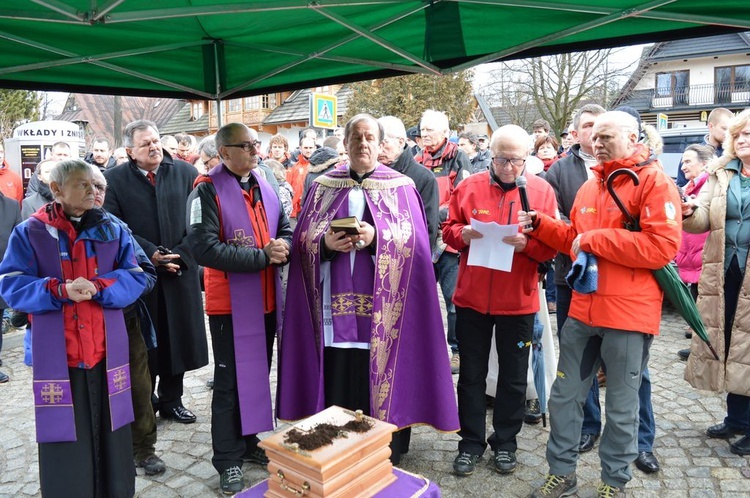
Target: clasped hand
[[343, 242], [80, 289], [277, 251]]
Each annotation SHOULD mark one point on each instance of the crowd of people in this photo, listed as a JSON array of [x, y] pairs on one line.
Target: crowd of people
[[115, 260]]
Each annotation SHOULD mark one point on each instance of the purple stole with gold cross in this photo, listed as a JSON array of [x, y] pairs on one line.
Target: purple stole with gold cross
[[246, 296], [53, 398]]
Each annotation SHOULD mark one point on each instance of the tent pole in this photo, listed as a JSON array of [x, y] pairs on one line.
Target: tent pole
[[219, 122]]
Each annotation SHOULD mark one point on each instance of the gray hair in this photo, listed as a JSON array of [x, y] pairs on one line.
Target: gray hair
[[363, 117], [224, 135], [62, 170], [593, 109], [437, 119], [704, 152], [131, 128], [393, 126], [208, 147]]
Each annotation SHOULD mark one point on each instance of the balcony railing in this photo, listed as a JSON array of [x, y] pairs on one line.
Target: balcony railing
[[687, 97]]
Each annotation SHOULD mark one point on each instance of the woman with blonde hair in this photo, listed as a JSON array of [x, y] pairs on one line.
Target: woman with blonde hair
[[723, 209]]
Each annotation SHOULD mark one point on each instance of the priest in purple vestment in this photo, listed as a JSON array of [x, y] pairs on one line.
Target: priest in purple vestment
[[240, 233], [362, 324], [73, 269]]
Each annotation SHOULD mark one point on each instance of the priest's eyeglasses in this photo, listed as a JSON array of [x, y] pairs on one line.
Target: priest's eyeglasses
[[246, 146], [502, 161]]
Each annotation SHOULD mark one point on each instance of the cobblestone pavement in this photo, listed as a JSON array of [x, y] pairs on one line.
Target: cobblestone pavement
[[692, 465]]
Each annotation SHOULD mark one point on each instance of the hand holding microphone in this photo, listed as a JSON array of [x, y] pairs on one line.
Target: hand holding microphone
[[521, 185]]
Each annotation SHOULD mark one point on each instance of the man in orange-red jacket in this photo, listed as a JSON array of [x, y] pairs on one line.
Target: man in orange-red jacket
[[11, 184], [614, 324], [488, 299]]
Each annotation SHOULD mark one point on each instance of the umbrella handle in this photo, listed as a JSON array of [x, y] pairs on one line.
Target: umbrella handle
[[610, 179]]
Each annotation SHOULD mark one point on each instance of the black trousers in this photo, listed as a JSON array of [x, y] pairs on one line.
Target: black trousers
[[100, 462], [226, 429], [513, 340], [170, 386], [346, 380], [143, 427]]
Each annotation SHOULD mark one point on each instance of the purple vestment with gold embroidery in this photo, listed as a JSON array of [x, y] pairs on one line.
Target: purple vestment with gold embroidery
[[410, 379]]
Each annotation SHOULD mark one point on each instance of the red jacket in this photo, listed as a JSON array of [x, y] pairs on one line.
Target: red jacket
[[295, 176], [11, 184], [493, 291], [628, 296]]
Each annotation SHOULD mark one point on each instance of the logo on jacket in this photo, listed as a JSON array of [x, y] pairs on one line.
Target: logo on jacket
[[590, 210], [671, 212], [242, 240], [480, 211]]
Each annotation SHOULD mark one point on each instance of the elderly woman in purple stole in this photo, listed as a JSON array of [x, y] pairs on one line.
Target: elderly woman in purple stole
[[73, 269], [362, 326]]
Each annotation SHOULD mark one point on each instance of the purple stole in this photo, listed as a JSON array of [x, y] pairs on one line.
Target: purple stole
[[410, 379], [351, 291], [53, 398], [253, 388]]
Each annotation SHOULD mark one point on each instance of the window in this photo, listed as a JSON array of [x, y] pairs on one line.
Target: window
[[269, 101], [197, 110], [729, 80], [223, 106], [235, 105], [674, 85], [252, 102]]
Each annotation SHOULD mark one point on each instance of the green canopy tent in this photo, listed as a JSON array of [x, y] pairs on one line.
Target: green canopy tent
[[230, 48]]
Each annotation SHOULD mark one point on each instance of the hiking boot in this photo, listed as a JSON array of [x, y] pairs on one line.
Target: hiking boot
[[557, 487], [505, 461], [152, 465], [533, 412], [465, 463], [256, 455], [455, 363], [231, 481], [607, 491]]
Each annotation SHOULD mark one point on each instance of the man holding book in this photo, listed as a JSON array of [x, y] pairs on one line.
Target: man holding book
[[362, 326]]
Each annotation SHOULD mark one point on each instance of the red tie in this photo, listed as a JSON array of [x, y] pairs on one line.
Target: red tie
[[151, 177]]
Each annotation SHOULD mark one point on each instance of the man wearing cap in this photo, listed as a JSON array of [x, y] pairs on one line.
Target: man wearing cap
[[414, 140], [469, 143]]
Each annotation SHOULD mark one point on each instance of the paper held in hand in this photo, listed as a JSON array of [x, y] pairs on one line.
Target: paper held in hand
[[490, 251], [350, 225]]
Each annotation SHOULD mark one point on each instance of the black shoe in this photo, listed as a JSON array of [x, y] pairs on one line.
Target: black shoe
[[505, 461], [647, 462], [152, 465], [465, 463], [533, 413], [210, 384], [587, 442], [741, 447], [4, 378], [723, 431], [688, 335], [683, 354], [231, 481], [155, 403], [178, 414], [256, 455]]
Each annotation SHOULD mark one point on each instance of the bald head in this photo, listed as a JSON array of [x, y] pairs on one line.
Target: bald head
[[509, 147]]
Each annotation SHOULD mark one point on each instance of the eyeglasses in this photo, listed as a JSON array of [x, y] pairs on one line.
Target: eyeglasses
[[502, 161], [100, 187], [246, 146]]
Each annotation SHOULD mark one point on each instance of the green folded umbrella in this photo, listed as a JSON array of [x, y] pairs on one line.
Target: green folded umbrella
[[675, 290]]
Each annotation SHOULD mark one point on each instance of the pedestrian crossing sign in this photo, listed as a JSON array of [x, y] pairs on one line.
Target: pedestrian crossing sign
[[323, 110]]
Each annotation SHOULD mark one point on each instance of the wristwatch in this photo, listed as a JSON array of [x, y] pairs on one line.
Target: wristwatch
[[360, 244]]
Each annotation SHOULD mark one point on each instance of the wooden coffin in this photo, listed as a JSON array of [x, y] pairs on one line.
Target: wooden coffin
[[356, 466]]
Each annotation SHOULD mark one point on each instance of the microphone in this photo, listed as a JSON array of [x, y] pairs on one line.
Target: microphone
[[521, 184]]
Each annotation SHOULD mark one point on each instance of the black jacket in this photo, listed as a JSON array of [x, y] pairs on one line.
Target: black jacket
[[158, 217], [426, 185], [566, 175], [205, 237]]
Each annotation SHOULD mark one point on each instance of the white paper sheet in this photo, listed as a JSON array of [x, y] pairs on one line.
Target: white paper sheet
[[490, 251]]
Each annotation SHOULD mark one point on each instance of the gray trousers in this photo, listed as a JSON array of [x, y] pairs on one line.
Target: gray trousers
[[582, 350]]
